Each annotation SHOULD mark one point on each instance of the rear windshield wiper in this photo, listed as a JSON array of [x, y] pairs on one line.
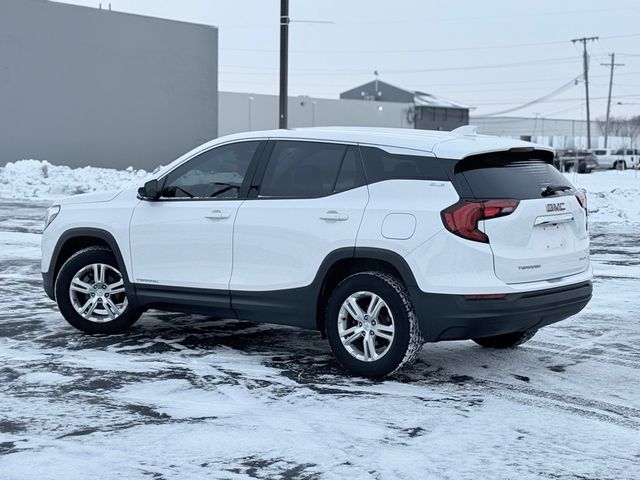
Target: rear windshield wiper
[[552, 189]]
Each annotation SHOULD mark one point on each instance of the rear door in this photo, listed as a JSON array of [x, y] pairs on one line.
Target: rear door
[[546, 236], [312, 196]]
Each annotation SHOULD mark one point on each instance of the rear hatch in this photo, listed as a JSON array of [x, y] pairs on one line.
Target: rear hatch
[[545, 236]]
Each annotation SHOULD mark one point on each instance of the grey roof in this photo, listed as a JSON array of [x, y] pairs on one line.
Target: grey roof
[[422, 99]]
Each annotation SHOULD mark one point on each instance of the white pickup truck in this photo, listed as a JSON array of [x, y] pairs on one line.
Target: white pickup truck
[[619, 158]]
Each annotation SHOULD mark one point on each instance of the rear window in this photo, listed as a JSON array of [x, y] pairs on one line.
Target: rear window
[[520, 176], [380, 165]]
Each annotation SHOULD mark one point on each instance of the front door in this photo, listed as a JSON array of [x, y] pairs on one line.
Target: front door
[[185, 238]]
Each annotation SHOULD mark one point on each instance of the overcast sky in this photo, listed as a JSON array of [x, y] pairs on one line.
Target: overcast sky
[[491, 54]]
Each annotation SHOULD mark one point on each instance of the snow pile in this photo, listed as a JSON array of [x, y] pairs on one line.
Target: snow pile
[[613, 196], [39, 180]]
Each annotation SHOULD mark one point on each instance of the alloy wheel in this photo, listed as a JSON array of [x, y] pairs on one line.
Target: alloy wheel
[[365, 326], [97, 293]]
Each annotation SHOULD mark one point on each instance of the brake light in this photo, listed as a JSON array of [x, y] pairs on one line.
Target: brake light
[[462, 218], [582, 198], [581, 195]]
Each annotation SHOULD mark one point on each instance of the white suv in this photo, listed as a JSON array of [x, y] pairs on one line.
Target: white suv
[[381, 239]]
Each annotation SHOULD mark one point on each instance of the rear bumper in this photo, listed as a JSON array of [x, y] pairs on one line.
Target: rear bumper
[[453, 317]]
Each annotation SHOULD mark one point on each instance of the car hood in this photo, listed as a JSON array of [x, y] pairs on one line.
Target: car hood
[[96, 197]]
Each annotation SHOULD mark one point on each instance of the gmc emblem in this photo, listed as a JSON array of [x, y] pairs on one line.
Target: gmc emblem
[[556, 207]]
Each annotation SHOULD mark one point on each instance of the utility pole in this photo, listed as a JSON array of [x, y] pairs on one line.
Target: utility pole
[[585, 56], [375, 95], [284, 61], [613, 65]]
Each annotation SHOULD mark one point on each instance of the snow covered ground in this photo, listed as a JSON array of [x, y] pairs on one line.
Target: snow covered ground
[[183, 396], [613, 195]]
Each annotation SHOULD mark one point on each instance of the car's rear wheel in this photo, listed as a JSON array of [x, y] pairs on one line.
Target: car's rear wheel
[[620, 165], [371, 325], [508, 340], [91, 293]]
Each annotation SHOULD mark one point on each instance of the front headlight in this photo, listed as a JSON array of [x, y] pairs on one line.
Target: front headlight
[[50, 216]]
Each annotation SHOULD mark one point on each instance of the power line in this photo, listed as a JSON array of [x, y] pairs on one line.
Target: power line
[[416, 50], [560, 100], [324, 72], [542, 99], [428, 85], [424, 50]]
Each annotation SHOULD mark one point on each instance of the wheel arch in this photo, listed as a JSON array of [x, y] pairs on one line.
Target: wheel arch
[[345, 262], [76, 239]]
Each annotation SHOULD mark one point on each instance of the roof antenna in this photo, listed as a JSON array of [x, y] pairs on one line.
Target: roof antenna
[[378, 93], [466, 131]]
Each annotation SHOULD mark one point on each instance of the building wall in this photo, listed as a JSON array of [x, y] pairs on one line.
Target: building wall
[[82, 86], [439, 118], [557, 133], [244, 111]]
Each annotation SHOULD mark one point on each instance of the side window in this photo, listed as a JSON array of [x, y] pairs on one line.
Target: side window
[[380, 165], [303, 170], [216, 173], [351, 173]]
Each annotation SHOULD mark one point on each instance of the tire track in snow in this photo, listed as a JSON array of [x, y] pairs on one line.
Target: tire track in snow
[[438, 383], [610, 358], [595, 409]]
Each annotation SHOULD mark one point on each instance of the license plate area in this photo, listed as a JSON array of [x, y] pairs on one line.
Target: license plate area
[[554, 236]]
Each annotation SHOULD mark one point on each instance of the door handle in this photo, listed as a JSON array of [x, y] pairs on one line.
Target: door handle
[[333, 216], [218, 215]]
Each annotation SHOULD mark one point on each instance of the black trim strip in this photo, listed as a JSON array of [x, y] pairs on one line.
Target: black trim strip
[[188, 300], [298, 307]]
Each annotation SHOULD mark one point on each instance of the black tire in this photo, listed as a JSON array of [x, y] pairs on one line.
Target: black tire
[[508, 340], [407, 338], [73, 265]]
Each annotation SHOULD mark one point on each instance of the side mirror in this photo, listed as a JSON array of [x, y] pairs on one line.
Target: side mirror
[[150, 190]]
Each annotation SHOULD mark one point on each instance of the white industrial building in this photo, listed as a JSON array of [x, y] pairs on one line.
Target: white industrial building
[[246, 111]]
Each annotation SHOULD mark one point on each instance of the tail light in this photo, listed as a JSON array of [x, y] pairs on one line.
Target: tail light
[[462, 218], [581, 195]]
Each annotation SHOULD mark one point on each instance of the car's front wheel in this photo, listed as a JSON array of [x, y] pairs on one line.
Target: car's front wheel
[[91, 294], [371, 325]]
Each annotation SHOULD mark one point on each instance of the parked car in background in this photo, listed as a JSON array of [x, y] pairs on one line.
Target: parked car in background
[[581, 161], [606, 157], [626, 158]]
